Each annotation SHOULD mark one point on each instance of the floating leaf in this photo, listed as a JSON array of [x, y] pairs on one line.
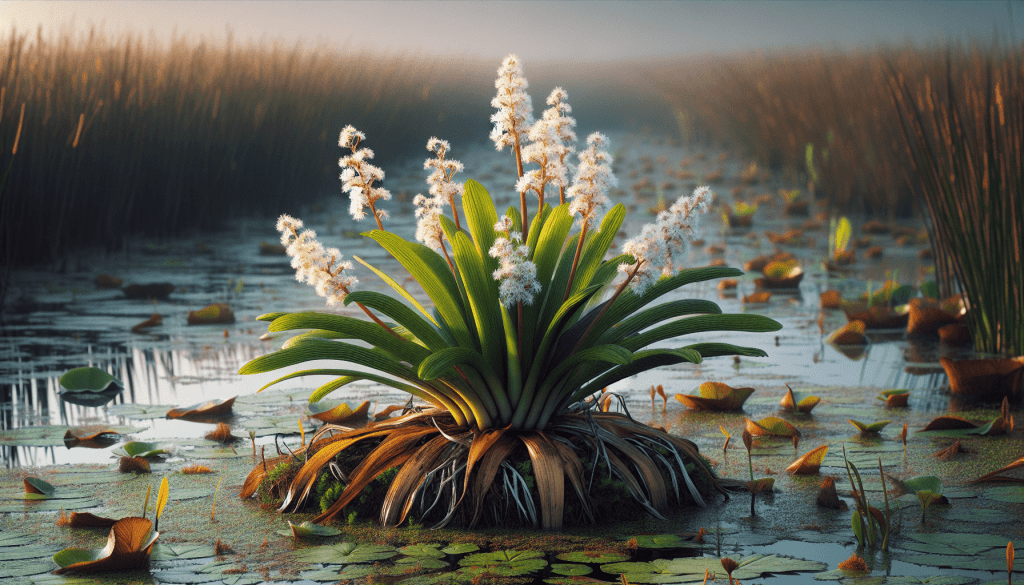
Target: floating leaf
[[809, 463], [771, 426], [88, 379], [716, 396], [954, 426], [996, 475], [506, 563], [598, 557], [460, 548], [211, 408], [38, 487], [659, 541], [128, 547], [87, 520], [925, 483], [805, 405], [339, 414], [423, 550], [212, 314], [99, 440], [693, 568], [959, 543], [345, 553], [140, 449], [894, 398], [307, 529], [570, 569], [850, 334], [757, 486], [873, 428]]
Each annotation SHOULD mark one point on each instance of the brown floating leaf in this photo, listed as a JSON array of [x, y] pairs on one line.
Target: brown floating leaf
[[757, 486], [995, 475], [215, 313], [876, 317], [716, 396], [342, 413], [215, 407], [136, 464], [128, 547], [955, 334], [828, 497], [87, 520], [758, 297], [195, 469], [850, 334], [831, 299], [728, 284], [926, 316], [99, 440], [153, 321], [985, 378], [108, 281], [948, 423], [809, 463]]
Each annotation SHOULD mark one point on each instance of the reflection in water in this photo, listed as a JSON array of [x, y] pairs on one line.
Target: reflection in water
[[30, 396]]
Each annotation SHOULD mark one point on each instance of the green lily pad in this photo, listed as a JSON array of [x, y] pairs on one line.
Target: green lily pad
[[422, 550], [51, 505], [25, 568], [570, 569], [460, 548], [15, 538], [685, 569], [413, 564], [322, 575], [506, 563], [37, 487], [139, 411], [172, 552], [88, 379], [307, 530], [402, 566], [32, 551], [959, 543], [924, 483], [660, 541], [971, 563], [139, 449], [1013, 494], [574, 580], [345, 553], [600, 558]]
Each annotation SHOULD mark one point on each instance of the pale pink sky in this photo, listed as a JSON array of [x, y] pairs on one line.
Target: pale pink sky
[[564, 30]]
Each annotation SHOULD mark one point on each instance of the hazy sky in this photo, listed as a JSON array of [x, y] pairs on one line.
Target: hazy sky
[[541, 30]]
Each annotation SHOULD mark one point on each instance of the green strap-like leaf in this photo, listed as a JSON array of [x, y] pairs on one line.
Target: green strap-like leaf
[[318, 334], [320, 349], [478, 208], [701, 323], [719, 349], [399, 289], [596, 247], [434, 276], [482, 292], [654, 315], [270, 316], [440, 362], [395, 309], [642, 361], [367, 331]]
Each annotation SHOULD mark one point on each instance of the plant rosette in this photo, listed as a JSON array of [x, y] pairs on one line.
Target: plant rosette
[[527, 327]]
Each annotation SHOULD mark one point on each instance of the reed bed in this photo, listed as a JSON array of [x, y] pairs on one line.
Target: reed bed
[[828, 108], [105, 138], [964, 130]]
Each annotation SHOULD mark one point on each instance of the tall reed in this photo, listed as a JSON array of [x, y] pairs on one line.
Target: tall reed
[[126, 136], [828, 106], [964, 131]]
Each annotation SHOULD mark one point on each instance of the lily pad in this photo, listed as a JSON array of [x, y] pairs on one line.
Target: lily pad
[[345, 553], [805, 404], [809, 463], [570, 569], [339, 414], [657, 541], [307, 530], [172, 552], [506, 563], [128, 547], [140, 449], [872, 428], [716, 396], [959, 543], [686, 569], [38, 487], [894, 398], [1012, 493], [771, 426], [51, 505], [460, 548], [88, 379], [601, 558], [999, 474], [210, 408], [422, 550]]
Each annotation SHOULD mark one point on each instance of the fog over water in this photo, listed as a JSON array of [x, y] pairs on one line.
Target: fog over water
[[576, 31]]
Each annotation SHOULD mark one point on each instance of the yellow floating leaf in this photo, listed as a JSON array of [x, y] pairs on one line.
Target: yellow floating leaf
[[716, 396], [805, 405], [211, 408], [771, 426], [809, 463], [343, 413]]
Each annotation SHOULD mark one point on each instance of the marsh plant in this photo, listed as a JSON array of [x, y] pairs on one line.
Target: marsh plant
[[529, 323]]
